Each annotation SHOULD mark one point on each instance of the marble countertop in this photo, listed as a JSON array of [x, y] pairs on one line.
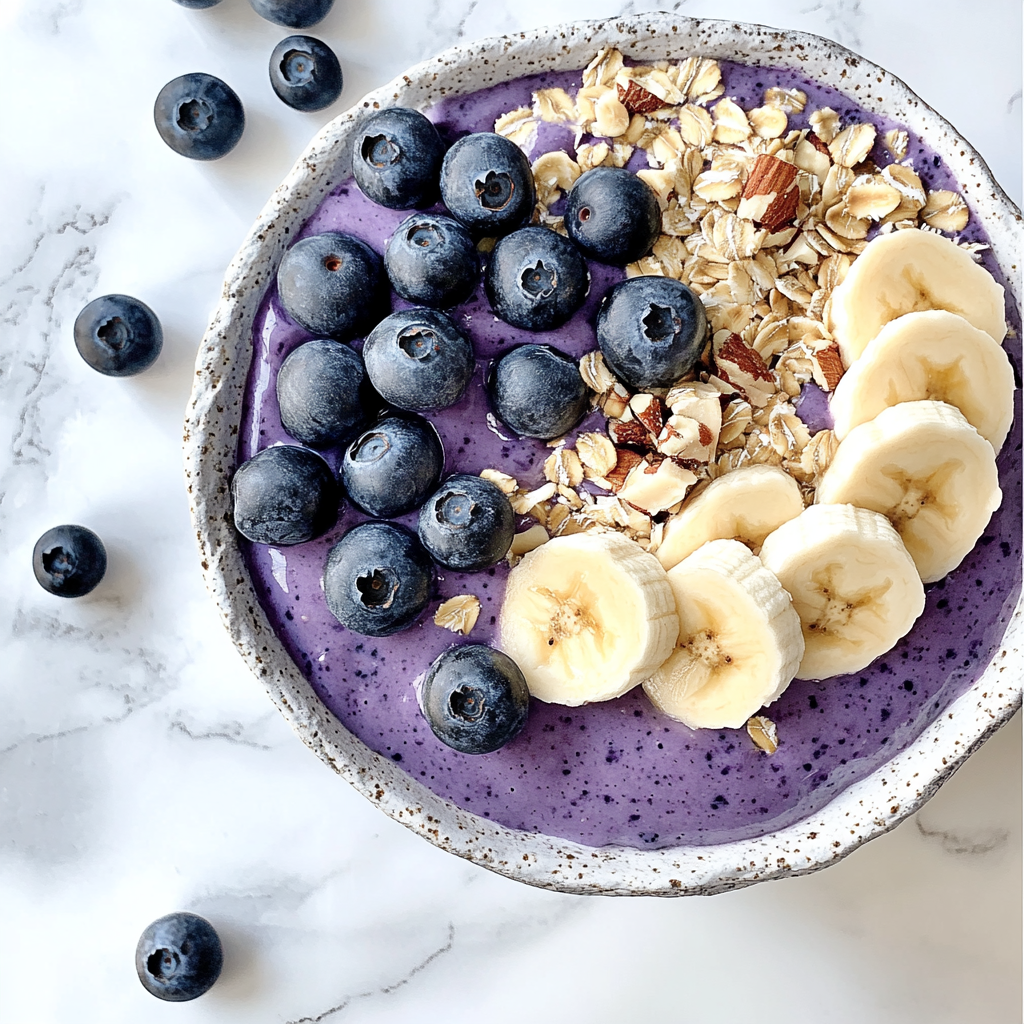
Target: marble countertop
[[143, 770]]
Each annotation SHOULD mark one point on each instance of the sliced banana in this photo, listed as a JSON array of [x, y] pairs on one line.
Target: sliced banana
[[587, 617], [932, 355], [853, 585], [907, 271], [929, 471], [745, 505], [739, 639]]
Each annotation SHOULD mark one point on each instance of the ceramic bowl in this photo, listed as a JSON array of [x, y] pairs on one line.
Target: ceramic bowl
[[923, 758]]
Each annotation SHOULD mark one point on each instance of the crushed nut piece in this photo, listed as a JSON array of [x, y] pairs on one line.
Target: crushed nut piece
[[771, 195]]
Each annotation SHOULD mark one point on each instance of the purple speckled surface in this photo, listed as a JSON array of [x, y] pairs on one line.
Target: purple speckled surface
[[618, 772]]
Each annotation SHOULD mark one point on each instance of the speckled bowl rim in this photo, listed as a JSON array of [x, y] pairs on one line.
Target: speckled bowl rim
[[858, 813]]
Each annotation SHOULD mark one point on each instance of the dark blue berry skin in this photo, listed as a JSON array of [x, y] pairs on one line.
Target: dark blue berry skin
[[432, 261], [467, 524], [179, 957], [197, 5], [292, 13], [396, 159], [199, 116], [538, 392], [487, 184], [475, 699], [651, 331], [305, 73], [118, 335], [612, 215], [332, 284], [377, 579], [69, 561], [392, 466], [418, 360], [319, 392], [284, 495], [536, 279]]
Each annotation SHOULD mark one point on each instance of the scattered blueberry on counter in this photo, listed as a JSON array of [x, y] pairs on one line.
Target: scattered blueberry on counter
[[69, 561], [179, 957], [467, 524], [377, 579], [293, 13], [538, 392], [418, 360], [475, 699], [613, 215], [305, 73], [118, 335], [487, 183], [651, 331], [432, 261], [199, 116], [284, 495], [396, 158], [391, 467]]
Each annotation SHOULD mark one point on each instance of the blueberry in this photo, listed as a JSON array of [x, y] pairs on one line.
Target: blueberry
[[377, 579], [179, 957], [613, 215], [418, 360], [305, 73], [318, 392], [69, 561], [199, 116], [284, 495], [432, 261], [391, 467], [197, 5], [536, 279], [651, 331], [475, 699], [332, 284], [292, 13], [487, 183], [118, 335], [538, 392], [467, 524], [396, 158]]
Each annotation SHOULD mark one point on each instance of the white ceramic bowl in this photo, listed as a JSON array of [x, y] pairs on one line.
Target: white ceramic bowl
[[866, 809]]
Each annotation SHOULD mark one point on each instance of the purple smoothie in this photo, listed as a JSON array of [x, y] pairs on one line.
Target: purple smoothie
[[617, 772]]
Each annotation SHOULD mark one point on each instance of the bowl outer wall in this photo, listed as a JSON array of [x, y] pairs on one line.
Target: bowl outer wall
[[867, 808]]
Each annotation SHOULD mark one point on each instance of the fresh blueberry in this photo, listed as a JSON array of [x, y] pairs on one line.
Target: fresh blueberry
[[538, 392], [179, 957], [418, 360], [651, 331], [292, 13], [118, 335], [284, 495], [197, 5], [396, 158], [467, 524], [69, 561], [536, 279], [391, 467], [332, 284], [199, 116], [613, 215], [318, 392], [475, 699], [432, 261], [305, 73], [377, 579], [486, 183]]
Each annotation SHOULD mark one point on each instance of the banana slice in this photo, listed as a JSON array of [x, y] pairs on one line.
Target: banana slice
[[853, 584], [929, 471], [744, 505], [587, 617], [907, 271], [739, 639], [932, 355]]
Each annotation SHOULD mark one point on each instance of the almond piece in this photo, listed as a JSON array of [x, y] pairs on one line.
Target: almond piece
[[647, 409], [743, 369], [827, 367], [625, 461], [636, 99], [656, 488], [771, 195], [630, 432]]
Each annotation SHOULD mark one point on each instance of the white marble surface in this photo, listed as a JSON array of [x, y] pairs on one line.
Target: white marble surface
[[142, 769]]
